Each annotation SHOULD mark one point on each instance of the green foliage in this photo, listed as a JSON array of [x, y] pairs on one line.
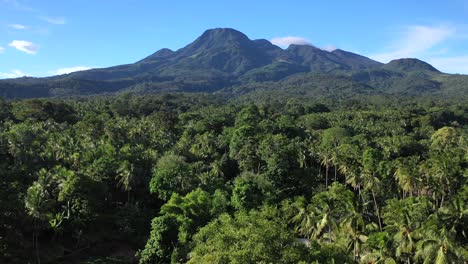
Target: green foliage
[[227, 62], [257, 238], [182, 217], [376, 180], [334, 136], [162, 239], [5, 110], [315, 122], [171, 174], [193, 210], [280, 157], [42, 110], [57, 197], [320, 218], [251, 191]]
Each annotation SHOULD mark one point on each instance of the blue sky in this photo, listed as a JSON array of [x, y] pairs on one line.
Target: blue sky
[[43, 38]]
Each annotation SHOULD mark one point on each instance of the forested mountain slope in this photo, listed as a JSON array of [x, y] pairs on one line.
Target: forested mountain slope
[[227, 59]]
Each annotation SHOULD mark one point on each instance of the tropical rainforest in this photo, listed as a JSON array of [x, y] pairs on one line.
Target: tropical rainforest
[[231, 150], [197, 178]]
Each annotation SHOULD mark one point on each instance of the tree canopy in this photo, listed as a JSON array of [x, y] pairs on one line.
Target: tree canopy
[[176, 178]]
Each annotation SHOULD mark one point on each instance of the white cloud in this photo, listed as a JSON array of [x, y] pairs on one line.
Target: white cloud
[[54, 20], [329, 48], [41, 31], [12, 74], [17, 26], [414, 41], [456, 64], [19, 6], [24, 46], [2, 49], [36, 12], [289, 40], [71, 69]]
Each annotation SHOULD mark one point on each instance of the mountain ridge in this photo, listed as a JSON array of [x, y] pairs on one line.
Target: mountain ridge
[[224, 57]]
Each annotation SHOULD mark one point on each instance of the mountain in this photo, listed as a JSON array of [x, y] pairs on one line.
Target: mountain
[[319, 60], [409, 64], [225, 60]]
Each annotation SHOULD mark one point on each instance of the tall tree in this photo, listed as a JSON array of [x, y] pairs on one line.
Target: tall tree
[[403, 219], [126, 177], [171, 174], [438, 244], [370, 161], [408, 176]]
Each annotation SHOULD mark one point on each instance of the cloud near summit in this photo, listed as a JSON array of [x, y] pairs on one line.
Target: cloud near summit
[[289, 40], [71, 69], [12, 74]]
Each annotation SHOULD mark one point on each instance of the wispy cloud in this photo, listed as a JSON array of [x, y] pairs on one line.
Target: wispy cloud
[[456, 64], [414, 41], [18, 5], [329, 48], [289, 40], [434, 44], [24, 46], [12, 74], [2, 49], [40, 14], [17, 26], [70, 70], [53, 20], [41, 30]]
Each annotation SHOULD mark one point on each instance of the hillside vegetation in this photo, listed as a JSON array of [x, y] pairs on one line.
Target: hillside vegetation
[[224, 59], [176, 178]]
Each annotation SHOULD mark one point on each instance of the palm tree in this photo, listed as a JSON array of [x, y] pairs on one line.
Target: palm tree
[[36, 202], [455, 214], [371, 159], [405, 242], [347, 161], [336, 205], [319, 218], [407, 175], [377, 249], [349, 166], [302, 217], [372, 184], [326, 159], [353, 226], [404, 219], [444, 171], [126, 177], [217, 166], [377, 257], [323, 218], [445, 138], [331, 139], [438, 245], [302, 158], [353, 177], [334, 160]]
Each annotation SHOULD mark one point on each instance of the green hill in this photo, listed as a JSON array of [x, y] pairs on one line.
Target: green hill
[[224, 59]]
